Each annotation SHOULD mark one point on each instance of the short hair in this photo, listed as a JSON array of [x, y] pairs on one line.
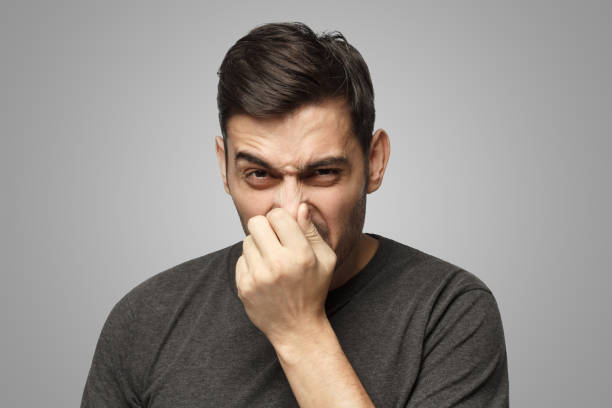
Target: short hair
[[278, 67]]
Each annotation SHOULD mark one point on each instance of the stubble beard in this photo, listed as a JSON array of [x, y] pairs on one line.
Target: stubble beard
[[350, 235]]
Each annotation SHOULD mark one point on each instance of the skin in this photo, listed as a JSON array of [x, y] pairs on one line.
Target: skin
[[299, 184]]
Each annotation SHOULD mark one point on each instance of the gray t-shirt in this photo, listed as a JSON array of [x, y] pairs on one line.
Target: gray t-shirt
[[418, 331]]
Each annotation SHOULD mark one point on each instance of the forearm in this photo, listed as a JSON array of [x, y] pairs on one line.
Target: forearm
[[318, 371]]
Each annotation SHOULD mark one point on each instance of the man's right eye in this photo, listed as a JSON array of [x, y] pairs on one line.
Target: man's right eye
[[259, 178], [257, 174]]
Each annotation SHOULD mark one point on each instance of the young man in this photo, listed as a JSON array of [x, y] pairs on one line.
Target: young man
[[307, 310]]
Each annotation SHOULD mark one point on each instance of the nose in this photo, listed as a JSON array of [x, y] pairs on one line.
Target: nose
[[289, 195]]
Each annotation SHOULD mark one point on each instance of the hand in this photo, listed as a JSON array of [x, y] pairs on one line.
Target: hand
[[284, 274]]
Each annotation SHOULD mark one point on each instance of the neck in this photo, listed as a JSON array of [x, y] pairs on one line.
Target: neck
[[356, 261]]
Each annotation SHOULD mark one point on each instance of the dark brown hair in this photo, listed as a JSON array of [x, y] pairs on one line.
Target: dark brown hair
[[278, 67]]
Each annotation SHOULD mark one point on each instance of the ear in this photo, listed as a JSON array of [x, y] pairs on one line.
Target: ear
[[378, 158], [220, 149]]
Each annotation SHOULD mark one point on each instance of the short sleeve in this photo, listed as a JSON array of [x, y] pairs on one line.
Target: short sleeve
[[109, 381], [464, 361]]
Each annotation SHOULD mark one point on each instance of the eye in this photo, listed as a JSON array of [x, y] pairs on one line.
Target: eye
[[257, 173], [324, 177], [259, 178], [326, 172]]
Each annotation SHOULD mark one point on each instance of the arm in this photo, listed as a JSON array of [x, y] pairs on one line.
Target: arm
[[318, 371], [464, 355], [109, 383], [282, 278]]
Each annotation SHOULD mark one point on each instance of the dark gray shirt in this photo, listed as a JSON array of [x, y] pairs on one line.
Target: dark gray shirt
[[418, 331]]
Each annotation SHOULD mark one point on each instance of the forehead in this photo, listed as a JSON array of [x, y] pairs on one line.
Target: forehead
[[307, 133]]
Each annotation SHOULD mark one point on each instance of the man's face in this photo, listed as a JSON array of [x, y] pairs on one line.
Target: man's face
[[310, 156]]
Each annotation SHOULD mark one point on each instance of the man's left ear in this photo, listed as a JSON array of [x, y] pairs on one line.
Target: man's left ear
[[378, 158]]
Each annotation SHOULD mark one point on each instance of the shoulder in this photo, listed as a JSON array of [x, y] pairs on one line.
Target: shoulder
[[408, 266], [453, 301], [167, 288], [137, 323], [438, 287], [457, 319]]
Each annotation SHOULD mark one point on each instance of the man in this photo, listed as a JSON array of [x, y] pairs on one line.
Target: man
[[307, 310]]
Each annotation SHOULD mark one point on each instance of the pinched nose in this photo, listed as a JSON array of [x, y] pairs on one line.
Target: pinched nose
[[289, 195]]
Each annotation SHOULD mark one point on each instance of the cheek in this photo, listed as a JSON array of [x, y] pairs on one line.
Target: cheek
[[248, 202], [334, 209], [252, 203]]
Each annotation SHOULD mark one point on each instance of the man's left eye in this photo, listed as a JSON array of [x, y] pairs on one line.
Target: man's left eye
[[327, 172]]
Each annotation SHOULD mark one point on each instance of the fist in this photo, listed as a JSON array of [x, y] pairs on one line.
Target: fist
[[284, 274]]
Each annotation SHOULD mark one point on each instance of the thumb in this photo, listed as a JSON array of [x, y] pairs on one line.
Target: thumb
[[318, 244], [304, 220]]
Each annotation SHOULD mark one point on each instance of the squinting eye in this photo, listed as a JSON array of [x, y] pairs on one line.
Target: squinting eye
[[326, 172], [324, 177], [258, 173], [259, 178]]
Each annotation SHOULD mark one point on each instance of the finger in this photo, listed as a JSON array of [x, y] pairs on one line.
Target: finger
[[241, 275], [323, 251], [263, 236], [286, 228], [251, 254]]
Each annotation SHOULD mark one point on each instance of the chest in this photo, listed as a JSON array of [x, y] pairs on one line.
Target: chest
[[222, 359], [230, 366]]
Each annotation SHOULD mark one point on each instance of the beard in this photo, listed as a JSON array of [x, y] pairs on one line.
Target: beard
[[351, 226], [350, 233]]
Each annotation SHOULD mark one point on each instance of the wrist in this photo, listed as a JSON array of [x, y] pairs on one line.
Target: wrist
[[313, 337]]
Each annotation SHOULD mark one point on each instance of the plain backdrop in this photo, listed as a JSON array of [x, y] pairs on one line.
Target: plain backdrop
[[499, 115]]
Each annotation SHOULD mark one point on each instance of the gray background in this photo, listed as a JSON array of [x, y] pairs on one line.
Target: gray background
[[499, 118]]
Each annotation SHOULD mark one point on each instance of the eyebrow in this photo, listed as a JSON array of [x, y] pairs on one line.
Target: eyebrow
[[327, 161]]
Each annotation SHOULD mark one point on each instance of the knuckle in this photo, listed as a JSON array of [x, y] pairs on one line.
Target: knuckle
[[305, 258], [244, 291], [259, 281], [282, 279], [269, 280], [242, 288], [331, 260], [275, 264], [240, 266], [311, 233]]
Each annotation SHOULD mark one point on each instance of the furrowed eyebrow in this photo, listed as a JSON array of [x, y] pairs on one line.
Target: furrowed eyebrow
[[328, 161], [253, 159]]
